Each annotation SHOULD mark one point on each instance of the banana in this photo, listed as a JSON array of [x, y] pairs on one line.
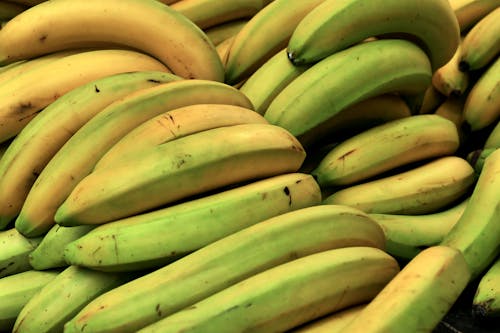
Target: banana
[[269, 80], [338, 82], [78, 156], [73, 288], [8, 10], [288, 295], [415, 232], [23, 97], [386, 147], [477, 232], [486, 301], [452, 109], [163, 174], [209, 13], [332, 323], [223, 263], [176, 124], [469, 12], [223, 49], [417, 298], [16, 290], [482, 106], [190, 225], [477, 157], [481, 44], [43, 136], [223, 31], [254, 44], [14, 252], [155, 29], [335, 25], [493, 139], [431, 100], [50, 252], [449, 80], [420, 190]]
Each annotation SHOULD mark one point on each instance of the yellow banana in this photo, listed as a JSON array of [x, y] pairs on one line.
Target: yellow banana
[[223, 48], [223, 31], [449, 79], [332, 323], [431, 100], [493, 139], [486, 301], [14, 252], [469, 12]]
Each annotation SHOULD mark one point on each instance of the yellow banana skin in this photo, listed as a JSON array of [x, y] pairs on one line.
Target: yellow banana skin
[[332, 323], [336, 81], [73, 288], [386, 147], [176, 124], [288, 295], [449, 80], [493, 139], [14, 252], [335, 25], [78, 156], [227, 261], [417, 298], [477, 232], [431, 100], [61, 24], [486, 301], [223, 49], [420, 190], [43, 136], [254, 45], [468, 12], [223, 31], [16, 290], [482, 106]]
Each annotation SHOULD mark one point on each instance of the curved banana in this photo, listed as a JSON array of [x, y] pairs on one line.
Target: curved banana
[[469, 12], [155, 29], [453, 110], [23, 97], [338, 82], [486, 301], [417, 298], [62, 297], [78, 156], [482, 106], [332, 323], [176, 124], [14, 252], [9, 9], [16, 290], [493, 139], [477, 232], [420, 190], [209, 13], [386, 147], [223, 48], [223, 263], [50, 252], [481, 44], [269, 80], [254, 44], [43, 136], [431, 100], [449, 80], [335, 25], [223, 31]]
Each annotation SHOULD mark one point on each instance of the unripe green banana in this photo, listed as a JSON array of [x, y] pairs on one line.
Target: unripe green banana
[[332, 323], [493, 140], [14, 252], [486, 301]]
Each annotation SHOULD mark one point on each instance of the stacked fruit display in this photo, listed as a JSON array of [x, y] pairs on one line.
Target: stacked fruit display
[[255, 165]]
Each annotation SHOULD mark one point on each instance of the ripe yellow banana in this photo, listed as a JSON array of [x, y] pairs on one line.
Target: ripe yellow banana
[[223, 31], [417, 298], [469, 12], [486, 301], [453, 110], [223, 263], [288, 295], [78, 156], [332, 323], [43, 136], [431, 100], [339, 81], [449, 79], [223, 48], [176, 124], [254, 44], [477, 232], [493, 139], [154, 28], [420, 190], [14, 252], [386, 147], [337, 24]]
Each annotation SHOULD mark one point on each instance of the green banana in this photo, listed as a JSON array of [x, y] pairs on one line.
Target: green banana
[[337, 24], [78, 156], [288, 295], [245, 253], [493, 139], [332, 323], [469, 12], [477, 157], [386, 147], [14, 252], [338, 82], [477, 232], [486, 301], [16, 290], [419, 190], [417, 298], [163, 235]]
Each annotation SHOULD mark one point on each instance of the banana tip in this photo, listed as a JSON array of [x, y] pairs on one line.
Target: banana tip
[[293, 58]]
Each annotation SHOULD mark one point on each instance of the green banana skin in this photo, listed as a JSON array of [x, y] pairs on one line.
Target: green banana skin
[[338, 82], [14, 252], [289, 294], [477, 157], [486, 301], [493, 139], [154, 238], [50, 251], [227, 261], [61, 298], [337, 24], [16, 290], [477, 232]]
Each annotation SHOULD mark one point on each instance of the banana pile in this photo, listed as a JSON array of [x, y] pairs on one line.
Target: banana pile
[[248, 166]]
